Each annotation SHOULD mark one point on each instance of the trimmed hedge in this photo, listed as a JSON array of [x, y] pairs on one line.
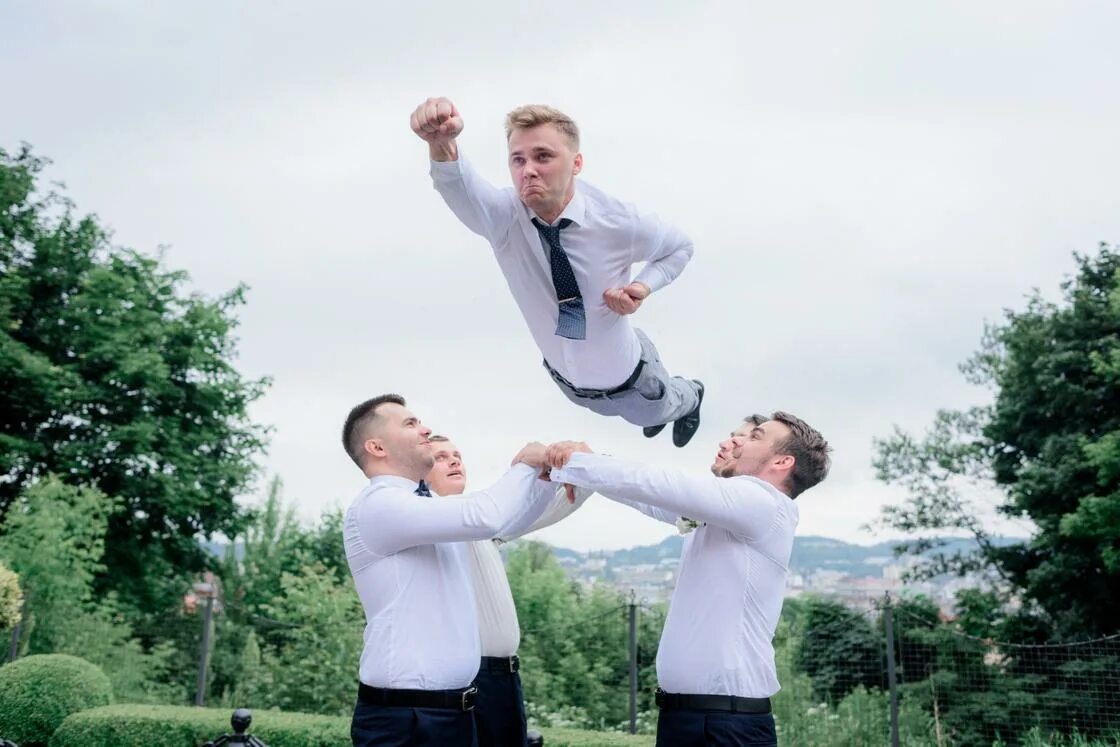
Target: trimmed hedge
[[182, 726], [37, 693], [577, 738], [178, 726]]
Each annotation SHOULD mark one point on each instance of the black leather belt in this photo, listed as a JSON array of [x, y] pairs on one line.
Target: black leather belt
[[726, 703], [500, 664], [459, 700], [597, 393]]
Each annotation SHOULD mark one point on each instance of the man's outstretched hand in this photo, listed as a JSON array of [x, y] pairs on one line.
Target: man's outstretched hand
[[626, 300]]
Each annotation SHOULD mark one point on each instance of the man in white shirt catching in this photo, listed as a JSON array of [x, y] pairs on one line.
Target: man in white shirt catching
[[499, 710], [405, 550], [715, 663], [566, 250]]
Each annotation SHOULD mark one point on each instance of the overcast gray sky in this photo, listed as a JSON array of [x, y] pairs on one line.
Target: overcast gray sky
[[866, 184]]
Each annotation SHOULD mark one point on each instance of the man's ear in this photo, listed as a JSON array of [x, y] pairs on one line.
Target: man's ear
[[578, 165], [374, 447], [785, 462]]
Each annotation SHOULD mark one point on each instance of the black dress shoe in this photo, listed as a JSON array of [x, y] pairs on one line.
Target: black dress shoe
[[652, 430], [685, 428]]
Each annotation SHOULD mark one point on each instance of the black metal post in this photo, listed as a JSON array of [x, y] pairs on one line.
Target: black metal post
[[17, 631], [204, 649], [888, 625], [633, 664]]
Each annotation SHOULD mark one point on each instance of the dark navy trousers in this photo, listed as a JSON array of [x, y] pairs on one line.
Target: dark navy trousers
[[499, 709], [391, 726], [678, 728]]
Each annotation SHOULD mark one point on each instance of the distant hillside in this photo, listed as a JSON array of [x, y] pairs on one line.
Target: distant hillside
[[810, 554]]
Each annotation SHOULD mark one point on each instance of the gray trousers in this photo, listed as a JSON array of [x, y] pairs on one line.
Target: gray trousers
[[653, 398]]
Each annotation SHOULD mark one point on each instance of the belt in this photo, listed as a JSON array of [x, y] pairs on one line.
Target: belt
[[459, 700], [727, 703], [597, 393], [500, 664]]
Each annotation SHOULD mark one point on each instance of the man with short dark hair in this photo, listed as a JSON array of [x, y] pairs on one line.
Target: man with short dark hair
[[405, 550], [715, 663], [499, 712], [567, 250]]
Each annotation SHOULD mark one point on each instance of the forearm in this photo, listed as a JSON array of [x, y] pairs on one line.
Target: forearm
[[658, 274], [739, 506], [444, 151], [554, 507], [396, 523], [651, 511]]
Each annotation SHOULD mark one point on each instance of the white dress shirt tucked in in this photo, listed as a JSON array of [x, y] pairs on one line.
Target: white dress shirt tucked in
[[499, 631], [607, 238], [410, 564], [718, 634]]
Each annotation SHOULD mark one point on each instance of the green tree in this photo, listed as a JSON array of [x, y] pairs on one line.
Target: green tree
[[575, 644], [11, 598], [314, 662], [254, 647], [1049, 446], [53, 535], [838, 648], [114, 377]]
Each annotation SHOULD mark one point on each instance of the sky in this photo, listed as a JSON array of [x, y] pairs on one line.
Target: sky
[[867, 184]]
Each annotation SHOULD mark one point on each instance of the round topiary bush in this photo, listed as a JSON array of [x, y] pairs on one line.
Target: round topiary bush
[[38, 692]]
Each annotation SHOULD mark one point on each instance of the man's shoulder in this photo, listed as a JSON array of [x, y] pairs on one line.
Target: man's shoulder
[[603, 204]]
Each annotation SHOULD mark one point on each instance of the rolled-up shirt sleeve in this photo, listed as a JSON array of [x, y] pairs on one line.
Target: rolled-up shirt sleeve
[[394, 519], [741, 506]]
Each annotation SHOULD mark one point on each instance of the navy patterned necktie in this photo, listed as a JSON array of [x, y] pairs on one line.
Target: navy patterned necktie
[[572, 320], [422, 489]]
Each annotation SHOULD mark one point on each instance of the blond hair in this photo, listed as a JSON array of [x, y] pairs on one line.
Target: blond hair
[[534, 115]]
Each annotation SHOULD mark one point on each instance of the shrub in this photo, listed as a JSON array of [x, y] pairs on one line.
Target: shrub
[[38, 692], [180, 726], [577, 738]]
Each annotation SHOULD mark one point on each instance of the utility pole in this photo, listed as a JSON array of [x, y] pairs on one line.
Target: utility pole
[[204, 590]]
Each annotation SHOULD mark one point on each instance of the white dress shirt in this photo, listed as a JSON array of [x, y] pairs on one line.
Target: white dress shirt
[[499, 631], [608, 236], [410, 564], [718, 634]]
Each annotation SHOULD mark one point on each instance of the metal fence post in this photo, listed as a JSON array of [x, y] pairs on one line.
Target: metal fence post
[[633, 664], [204, 649], [17, 631], [888, 624]]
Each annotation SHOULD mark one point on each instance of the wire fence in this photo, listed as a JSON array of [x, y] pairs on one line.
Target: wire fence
[[901, 674]]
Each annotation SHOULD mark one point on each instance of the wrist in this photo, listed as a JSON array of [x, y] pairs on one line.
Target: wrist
[[446, 150]]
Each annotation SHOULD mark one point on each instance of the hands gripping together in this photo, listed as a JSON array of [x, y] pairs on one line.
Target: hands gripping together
[[545, 458]]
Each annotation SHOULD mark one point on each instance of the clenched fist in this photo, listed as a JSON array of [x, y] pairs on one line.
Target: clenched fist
[[437, 121], [626, 300]]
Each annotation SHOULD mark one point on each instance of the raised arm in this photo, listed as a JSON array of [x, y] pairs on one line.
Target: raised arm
[[479, 205], [394, 519], [742, 506], [551, 504]]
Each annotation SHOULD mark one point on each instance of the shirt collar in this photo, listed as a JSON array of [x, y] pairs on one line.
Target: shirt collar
[[394, 481], [575, 210]]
